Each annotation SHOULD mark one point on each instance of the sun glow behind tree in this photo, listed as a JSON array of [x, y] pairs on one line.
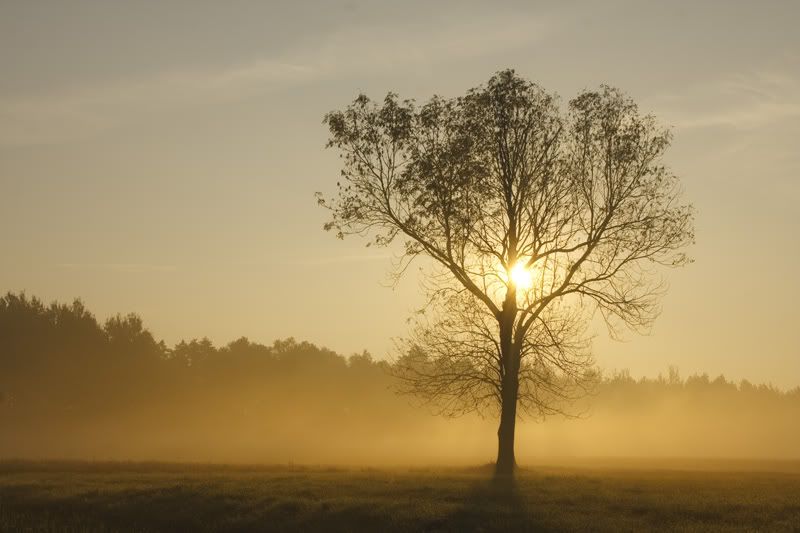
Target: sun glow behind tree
[[535, 217], [521, 276]]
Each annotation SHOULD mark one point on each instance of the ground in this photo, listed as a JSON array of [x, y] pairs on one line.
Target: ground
[[598, 497]]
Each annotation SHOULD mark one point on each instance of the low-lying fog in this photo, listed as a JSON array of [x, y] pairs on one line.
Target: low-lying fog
[[71, 388]]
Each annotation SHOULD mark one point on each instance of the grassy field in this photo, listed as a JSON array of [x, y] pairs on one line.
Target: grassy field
[[584, 497]]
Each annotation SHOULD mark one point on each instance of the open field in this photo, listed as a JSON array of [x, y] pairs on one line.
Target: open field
[[604, 496]]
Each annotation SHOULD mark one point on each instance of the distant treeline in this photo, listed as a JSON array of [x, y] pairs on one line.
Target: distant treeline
[[73, 387]]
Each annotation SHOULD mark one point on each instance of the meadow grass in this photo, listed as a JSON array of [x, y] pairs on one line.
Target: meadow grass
[[71, 496]]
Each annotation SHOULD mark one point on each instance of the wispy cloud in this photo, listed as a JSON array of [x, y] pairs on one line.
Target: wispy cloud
[[744, 102], [364, 50], [86, 111]]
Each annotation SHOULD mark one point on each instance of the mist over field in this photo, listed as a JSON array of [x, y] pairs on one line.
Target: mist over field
[[74, 388], [415, 266]]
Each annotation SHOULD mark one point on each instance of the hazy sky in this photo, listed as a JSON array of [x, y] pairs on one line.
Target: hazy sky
[[161, 157]]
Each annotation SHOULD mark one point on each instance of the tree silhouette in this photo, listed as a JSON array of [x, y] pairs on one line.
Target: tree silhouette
[[501, 182], [453, 360]]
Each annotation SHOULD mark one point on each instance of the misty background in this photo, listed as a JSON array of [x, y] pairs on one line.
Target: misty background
[[73, 387]]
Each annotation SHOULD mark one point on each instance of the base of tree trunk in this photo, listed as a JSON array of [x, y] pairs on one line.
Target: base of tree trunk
[[504, 469]]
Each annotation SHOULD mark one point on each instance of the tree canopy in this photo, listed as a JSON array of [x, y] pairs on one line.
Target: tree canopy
[[504, 180]]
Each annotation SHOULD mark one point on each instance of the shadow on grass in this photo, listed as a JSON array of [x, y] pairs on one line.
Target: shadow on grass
[[492, 505]]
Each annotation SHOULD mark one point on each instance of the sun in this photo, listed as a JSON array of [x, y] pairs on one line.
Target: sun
[[521, 277]]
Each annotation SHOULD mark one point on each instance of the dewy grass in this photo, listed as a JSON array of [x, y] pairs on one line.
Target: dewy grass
[[129, 497]]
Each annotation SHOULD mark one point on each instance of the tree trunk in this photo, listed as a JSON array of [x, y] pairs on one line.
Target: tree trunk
[[505, 433], [510, 351]]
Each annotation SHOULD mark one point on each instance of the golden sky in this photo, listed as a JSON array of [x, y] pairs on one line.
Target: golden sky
[[161, 158]]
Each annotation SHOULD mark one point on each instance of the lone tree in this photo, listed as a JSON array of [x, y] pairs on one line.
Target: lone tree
[[535, 218]]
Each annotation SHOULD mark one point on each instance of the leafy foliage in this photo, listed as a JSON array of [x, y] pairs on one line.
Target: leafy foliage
[[502, 177]]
